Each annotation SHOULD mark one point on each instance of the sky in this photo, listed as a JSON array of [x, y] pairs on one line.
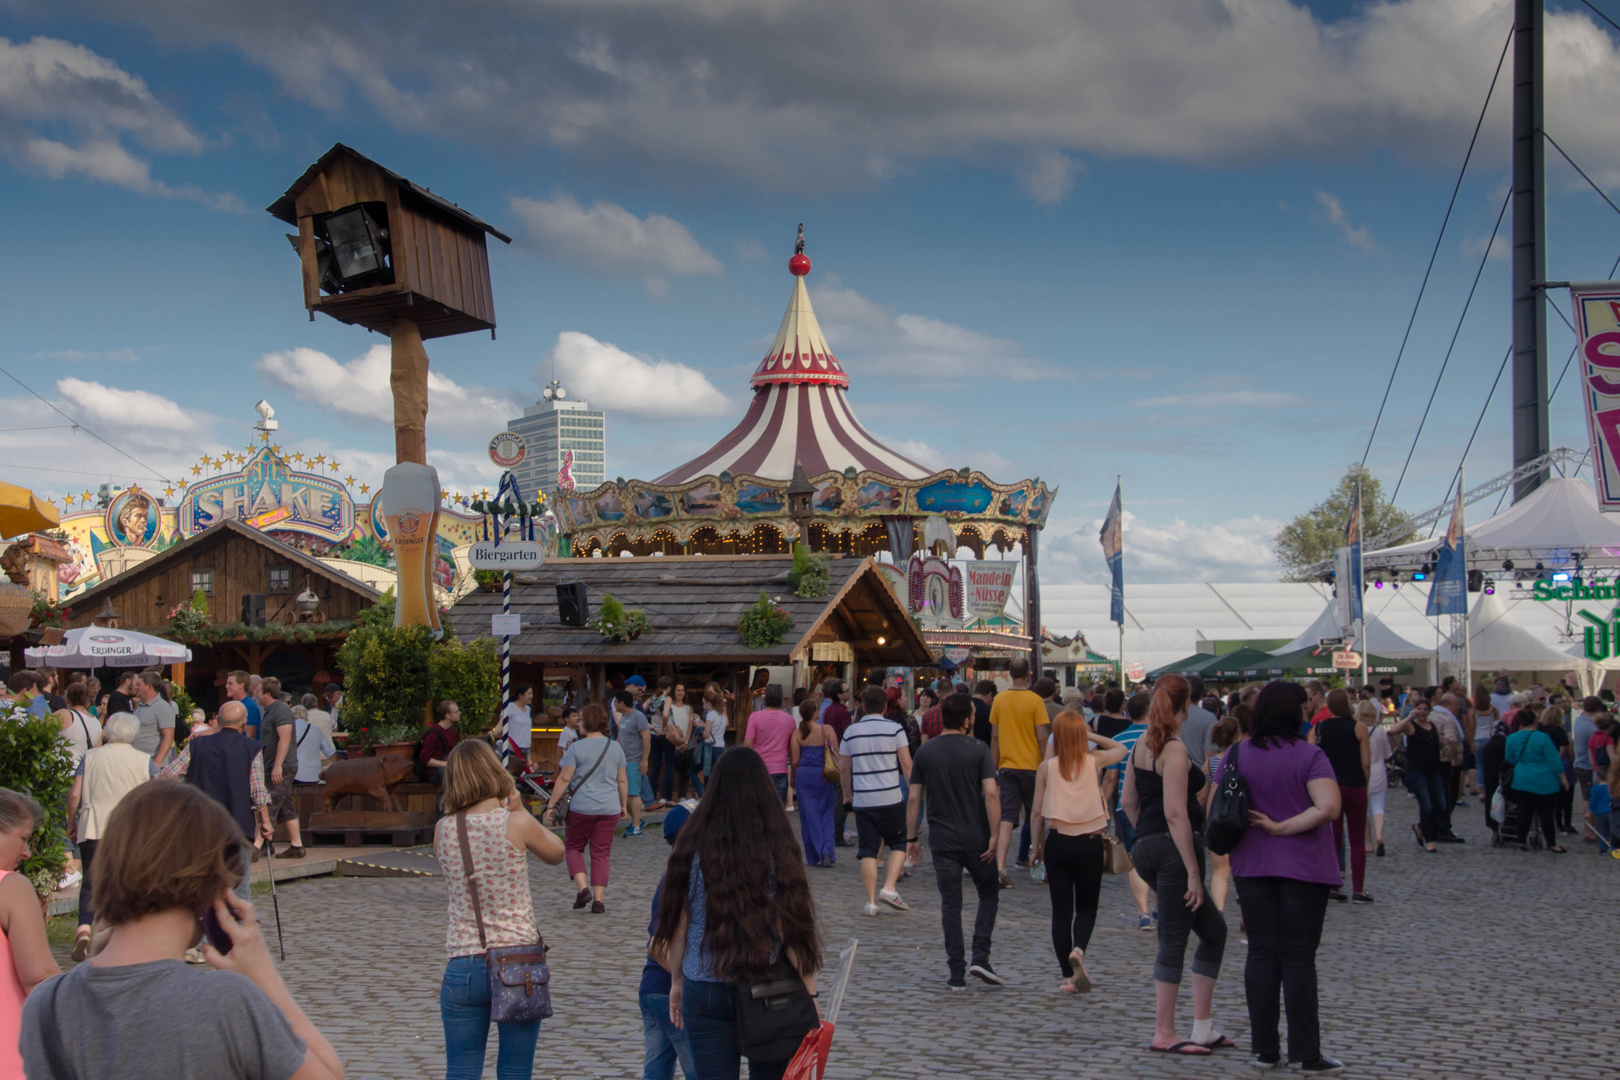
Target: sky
[[1173, 241]]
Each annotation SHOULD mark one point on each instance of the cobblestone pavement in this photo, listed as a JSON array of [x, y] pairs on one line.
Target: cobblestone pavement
[[1473, 963]]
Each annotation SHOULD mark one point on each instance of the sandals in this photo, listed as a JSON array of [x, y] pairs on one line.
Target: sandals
[[1184, 1048], [1080, 981], [81, 945], [1219, 1042], [1556, 850]]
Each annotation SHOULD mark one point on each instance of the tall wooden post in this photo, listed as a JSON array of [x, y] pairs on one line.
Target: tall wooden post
[[408, 378]]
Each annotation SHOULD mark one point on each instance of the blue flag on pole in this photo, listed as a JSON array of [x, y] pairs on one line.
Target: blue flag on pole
[[1352, 539], [1113, 545], [1449, 593]]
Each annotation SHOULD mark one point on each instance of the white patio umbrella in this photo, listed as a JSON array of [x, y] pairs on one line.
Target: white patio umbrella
[[99, 646]]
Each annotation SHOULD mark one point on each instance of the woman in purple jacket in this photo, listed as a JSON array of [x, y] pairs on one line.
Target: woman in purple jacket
[[1284, 867]]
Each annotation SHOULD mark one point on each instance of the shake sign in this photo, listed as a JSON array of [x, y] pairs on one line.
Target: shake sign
[[1597, 324], [987, 585]]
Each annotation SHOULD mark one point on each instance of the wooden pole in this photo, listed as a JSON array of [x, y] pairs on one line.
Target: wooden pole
[[408, 379]]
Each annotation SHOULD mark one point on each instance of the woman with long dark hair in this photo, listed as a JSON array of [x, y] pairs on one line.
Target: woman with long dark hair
[[807, 753], [1284, 867], [1422, 772], [736, 900], [1161, 800]]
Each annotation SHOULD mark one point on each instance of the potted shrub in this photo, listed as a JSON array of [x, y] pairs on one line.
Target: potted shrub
[[765, 624], [616, 622]]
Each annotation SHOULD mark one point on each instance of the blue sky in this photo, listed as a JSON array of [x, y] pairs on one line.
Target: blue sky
[[1176, 241]]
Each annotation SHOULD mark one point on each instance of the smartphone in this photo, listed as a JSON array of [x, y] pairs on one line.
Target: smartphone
[[215, 933]]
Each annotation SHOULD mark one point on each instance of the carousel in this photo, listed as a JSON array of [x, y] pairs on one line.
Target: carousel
[[800, 466]]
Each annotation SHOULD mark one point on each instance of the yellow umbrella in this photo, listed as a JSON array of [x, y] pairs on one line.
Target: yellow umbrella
[[21, 511]]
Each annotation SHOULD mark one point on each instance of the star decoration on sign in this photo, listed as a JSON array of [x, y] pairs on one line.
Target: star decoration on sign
[[299, 457], [364, 488], [336, 465], [348, 480], [67, 500], [265, 435], [87, 497], [320, 459], [196, 470], [168, 490], [276, 450]]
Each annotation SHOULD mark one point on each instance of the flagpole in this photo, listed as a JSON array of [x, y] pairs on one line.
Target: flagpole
[[1119, 495], [1361, 623], [1468, 648]]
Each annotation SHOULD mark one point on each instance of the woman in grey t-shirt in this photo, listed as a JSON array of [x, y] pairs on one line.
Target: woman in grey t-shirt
[[601, 797]]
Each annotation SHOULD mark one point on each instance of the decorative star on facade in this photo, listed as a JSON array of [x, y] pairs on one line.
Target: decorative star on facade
[[168, 490], [87, 498], [298, 457], [364, 488], [265, 435], [348, 480], [335, 465], [67, 500], [276, 450], [196, 470], [320, 459]]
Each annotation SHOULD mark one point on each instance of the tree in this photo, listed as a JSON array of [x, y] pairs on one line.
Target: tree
[[1316, 534]]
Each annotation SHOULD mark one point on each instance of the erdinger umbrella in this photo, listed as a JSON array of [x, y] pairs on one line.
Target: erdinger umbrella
[[101, 646], [810, 1063], [21, 511]]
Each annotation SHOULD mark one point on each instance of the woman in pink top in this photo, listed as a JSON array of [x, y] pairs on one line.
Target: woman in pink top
[[1066, 828], [27, 955], [479, 796]]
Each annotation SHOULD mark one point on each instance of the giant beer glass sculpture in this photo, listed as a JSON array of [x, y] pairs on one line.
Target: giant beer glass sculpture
[[410, 509]]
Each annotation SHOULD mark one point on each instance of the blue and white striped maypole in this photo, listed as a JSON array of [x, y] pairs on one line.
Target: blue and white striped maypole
[[508, 487]]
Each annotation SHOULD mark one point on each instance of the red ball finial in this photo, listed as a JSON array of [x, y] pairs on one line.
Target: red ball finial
[[799, 265]]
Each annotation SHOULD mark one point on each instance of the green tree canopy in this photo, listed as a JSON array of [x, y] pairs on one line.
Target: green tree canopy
[[1319, 532]]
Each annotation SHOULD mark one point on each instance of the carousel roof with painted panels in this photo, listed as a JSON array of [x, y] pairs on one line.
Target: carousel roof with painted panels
[[735, 495]]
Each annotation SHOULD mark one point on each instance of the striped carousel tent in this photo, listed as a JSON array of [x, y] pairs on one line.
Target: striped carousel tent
[[800, 413]]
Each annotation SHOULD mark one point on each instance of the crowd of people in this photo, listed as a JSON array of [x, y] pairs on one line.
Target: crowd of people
[[1091, 781]]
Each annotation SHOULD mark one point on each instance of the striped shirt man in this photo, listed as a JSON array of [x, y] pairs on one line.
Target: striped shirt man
[[872, 745]]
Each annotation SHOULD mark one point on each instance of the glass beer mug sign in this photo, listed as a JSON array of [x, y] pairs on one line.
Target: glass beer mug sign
[[410, 509]]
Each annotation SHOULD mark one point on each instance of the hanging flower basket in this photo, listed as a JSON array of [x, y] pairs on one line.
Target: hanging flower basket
[[616, 622], [765, 624]]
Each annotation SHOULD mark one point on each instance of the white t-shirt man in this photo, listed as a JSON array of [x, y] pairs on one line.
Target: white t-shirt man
[[519, 726], [313, 746]]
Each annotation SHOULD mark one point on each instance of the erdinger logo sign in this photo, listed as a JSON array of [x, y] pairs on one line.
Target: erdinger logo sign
[[409, 524], [108, 639]]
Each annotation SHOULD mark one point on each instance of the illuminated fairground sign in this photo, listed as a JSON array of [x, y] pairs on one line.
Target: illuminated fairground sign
[[267, 495], [1552, 590]]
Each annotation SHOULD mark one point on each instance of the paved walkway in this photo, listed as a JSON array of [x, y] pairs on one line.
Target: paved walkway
[[1473, 963]]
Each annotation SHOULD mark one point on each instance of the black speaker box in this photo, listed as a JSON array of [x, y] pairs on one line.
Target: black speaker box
[[573, 603]]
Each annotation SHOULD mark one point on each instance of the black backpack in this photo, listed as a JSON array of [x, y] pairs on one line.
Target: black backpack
[[1228, 808]]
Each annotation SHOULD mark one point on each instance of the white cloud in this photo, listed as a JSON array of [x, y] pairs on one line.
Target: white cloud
[[612, 379], [57, 85], [877, 341], [812, 96], [1500, 247], [1355, 236], [97, 404], [1049, 176], [360, 388], [110, 356], [1237, 549], [611, 239], [1224, 399]]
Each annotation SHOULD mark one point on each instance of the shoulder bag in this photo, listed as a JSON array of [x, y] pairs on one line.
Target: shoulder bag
[[773, 1016], [566, 799], [831, 764], [1116, 860], [519, 980], [1228, 808]]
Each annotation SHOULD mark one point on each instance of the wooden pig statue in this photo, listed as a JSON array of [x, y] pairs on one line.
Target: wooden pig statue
[[374, 776]]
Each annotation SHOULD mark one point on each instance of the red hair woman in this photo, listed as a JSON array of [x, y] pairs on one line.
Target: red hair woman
[[1161, 800]]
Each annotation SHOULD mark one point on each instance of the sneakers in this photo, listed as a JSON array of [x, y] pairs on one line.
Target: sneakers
[[1263, 1063], [869, 910], [985, 973], [1022, 864], [195, 956], [1362, 898], [1338, 897], [632, 830], [1006, 880], [1323, 1066], [291, 853], [892, 898], [956, 986], [69, 879], [1146, 922]]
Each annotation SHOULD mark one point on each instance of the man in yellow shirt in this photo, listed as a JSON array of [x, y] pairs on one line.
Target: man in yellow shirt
[[1018, 730]]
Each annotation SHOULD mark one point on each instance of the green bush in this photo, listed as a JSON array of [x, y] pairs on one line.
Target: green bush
[[765, 624], [810, 575], [34, 760], [470, 675], [616, 622], [387, 680]]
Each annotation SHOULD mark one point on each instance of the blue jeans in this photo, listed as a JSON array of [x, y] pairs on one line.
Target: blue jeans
[[781, 782], [464, 1007], [709, 1010], [1430, 791], [665, 1042]]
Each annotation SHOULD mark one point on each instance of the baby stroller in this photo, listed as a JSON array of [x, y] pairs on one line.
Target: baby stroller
[[1503, 834]]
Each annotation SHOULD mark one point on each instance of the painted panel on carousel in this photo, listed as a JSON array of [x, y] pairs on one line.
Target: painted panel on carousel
[[652, 504], [267, 495], [946, 496], [759, 499], [609, 506], [1012, 504], [702, 501], [876, 497], [829, 498], [133, 518]]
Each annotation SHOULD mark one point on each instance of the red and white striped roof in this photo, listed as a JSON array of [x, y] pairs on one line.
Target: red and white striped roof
[[800, 413]]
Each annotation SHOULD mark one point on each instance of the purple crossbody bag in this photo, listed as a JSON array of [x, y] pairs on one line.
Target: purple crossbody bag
[[519, 980]]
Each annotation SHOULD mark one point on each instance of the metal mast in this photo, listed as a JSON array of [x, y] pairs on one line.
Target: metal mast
[[1530, 427]]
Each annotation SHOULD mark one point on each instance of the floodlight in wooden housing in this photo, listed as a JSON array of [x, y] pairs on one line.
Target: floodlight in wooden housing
[[377, 247], [382, 252]]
